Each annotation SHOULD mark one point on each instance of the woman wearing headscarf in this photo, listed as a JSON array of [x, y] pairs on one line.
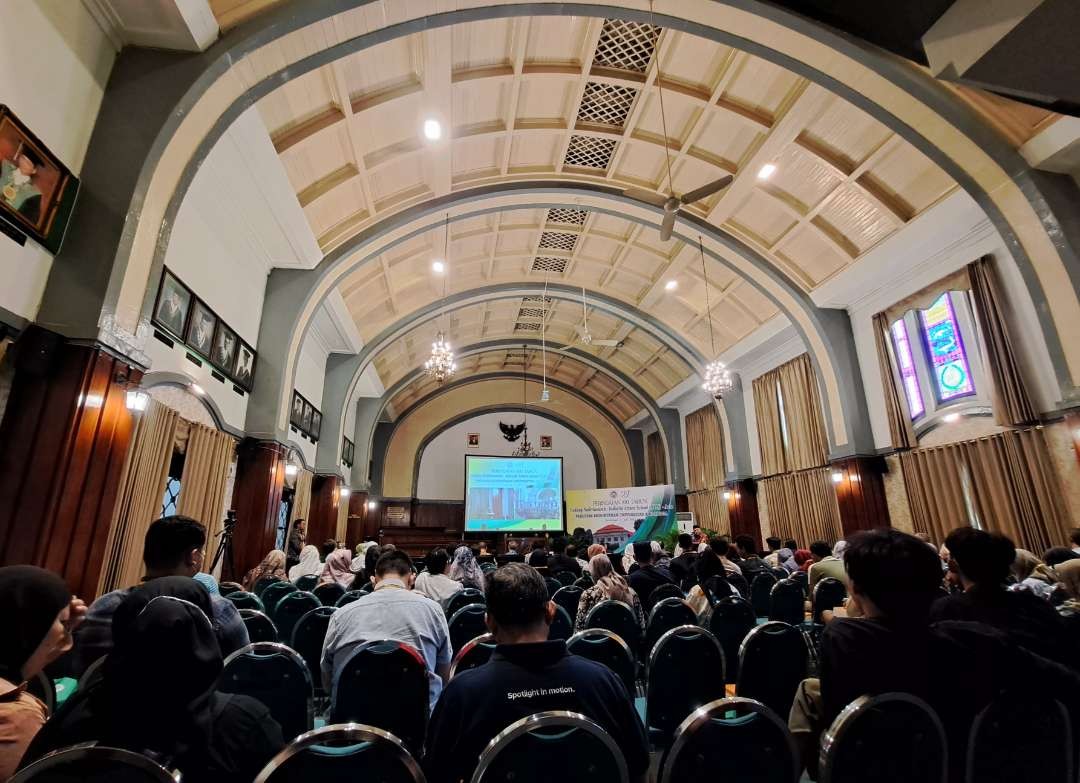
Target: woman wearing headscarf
[[785, 557], [706, 566], [360, 559], [308, 564], [594, 550], [37, 613], [156, 694], [465, 569], [607, 585], [272, 565], [337, 569], [1033, 575]]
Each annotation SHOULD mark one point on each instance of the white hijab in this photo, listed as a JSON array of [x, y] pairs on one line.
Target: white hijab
[[309, 563]]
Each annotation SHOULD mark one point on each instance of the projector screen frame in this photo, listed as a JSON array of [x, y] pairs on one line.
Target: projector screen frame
[[561, 530]]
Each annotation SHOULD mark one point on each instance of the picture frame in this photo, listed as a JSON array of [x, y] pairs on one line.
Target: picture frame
[[296, 412], [226, 342], [347, 451], [472, 440], [37, 191], [244, 369], [202, 323], [172, 306], [545, 442], [305, 422], [316, 424]]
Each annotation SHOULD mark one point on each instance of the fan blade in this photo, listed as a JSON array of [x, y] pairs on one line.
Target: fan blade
[[667, 226], [707, 190], [648, 196], [607, 343]]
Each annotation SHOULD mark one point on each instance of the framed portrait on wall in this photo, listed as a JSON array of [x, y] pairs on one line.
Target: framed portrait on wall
[[172, 306], [545, 442], [316, 424], [305, 421], [296, 414], [244, 372], [225, 344], [472, 440], [201, 326]]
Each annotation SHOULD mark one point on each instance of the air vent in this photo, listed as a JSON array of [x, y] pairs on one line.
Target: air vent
[[527, 327], [549, 264], [589, 152], [558, 240], [530, 312], [540, 300], [606, 104], [567, 217], [627, 46]]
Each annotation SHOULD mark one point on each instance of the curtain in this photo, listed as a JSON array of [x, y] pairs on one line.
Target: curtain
[[896, 406], [1008, 392], [655, 464], [934, 480], [807, 445], [924, 297], [301, 504], [138, 503], [710, 510], [803, 506], [767, 415], [208, 455], [342, 519], [704, 449]]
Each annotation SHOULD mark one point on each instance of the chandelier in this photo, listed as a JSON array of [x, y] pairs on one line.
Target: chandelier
[[440, 366], [718, 379]]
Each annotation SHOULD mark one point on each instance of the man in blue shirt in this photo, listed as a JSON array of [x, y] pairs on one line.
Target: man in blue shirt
[[527, 674]]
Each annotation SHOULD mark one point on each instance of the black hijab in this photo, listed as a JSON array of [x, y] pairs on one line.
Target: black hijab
[[30, 600]]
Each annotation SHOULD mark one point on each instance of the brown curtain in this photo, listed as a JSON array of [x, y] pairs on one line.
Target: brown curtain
[[342, 519], [1008, 392], [138, 502], [704, 449], [807, 445], [655, 464], [767, 415], [803, 506], [896, 406], [301, 505], [934, 480], [207, 458], [710, 510]]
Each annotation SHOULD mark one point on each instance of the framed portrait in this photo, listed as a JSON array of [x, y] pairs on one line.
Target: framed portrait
[[472, 440], [316, 425], [305, 421], [200, 330], [545, 441], [244, 372], [173, 305], [226, 342], [347, 451], [296, 415], [37, 192]]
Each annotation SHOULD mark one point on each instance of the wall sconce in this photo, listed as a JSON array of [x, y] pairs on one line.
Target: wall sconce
[[137, 400], [291, 471], [727, 495], [344, 492], [837, 477], [372, 505], [91, 401]]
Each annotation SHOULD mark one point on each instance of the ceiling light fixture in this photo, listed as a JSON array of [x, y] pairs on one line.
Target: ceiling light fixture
[[440, 366], [137, 400], [432, 130], [766, 171], [951, 418], [291, 471], [671, 285], [718, 380], [438, 267]]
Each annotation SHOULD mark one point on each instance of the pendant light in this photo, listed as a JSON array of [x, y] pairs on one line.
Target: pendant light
[[440, 366], [718, 380]]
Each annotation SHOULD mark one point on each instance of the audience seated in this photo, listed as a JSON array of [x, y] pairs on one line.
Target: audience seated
[[338, 569], [1074, 539], [647, 576], [272, 566], [686, 554], [772, 557], [1069, 609], [1032, 574], [538, 556], [558, 560], [607, 585], [391, 611], [294, 547], [465, 570], [1056, 555], [173, 547], [156, 693], [37, 613], [750, 564], [434, 583], [308, 565], [594, 550], [513, 553], [208, 582], [721, 546], [707, 566], [527, 674], [572, 553], [328, 547], [824, 564]]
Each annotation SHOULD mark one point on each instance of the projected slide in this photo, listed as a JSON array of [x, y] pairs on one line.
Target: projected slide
[[513, 494]]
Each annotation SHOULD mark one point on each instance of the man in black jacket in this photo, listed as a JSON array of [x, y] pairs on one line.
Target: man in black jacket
[[647, 577], [560, 561]]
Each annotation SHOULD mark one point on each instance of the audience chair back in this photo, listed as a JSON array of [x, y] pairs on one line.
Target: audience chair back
[[42, 686], [802, 579], [738, 581], [779, 573], [242, 599], [772, 663], [829, 593], [274, 593], [260, 628], [366, 587], [553, 585], [348, 598], [1020, 737], [263, 583], [568, 598], [717, 588], [666, 614], [224, 588], [686, 671], [340, 753], [308, 636], [466, 624], [608, 649], [565, 578], [572, 749], [476, 652], [562, 627], [383, 683], [760, 593], [329, 594], [666, 591], [278, 677], [290, 609], [463, 598], [488, 567], [742, 737], [891, 737], [307, 582], [93, 764], [585, 581], [617, 617], [731, 620], [786, 603], [92, 671]]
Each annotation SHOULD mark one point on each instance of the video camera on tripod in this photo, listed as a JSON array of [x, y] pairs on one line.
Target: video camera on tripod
[[225, 547]]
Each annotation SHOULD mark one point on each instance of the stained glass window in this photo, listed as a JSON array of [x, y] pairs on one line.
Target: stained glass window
[[906, 365], [172, 494], [945, 349]]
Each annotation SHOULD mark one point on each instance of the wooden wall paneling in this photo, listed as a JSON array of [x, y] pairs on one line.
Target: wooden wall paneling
[[357, 529], [441, 516], [260, 478], [323, 514], [682, 503], [743, 509], [860, 493]]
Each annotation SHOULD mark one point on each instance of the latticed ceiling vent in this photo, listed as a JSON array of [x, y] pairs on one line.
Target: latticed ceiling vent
[[589, 152], [530, 312], [606, 104], [535, 300], [567, 217], [558, 240], [549, 264], [628, 46], [527, 326]]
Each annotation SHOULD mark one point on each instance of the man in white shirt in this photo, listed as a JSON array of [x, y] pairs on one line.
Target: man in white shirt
[[434, 583]]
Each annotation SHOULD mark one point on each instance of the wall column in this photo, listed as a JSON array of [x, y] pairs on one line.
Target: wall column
[[860, 493], [743, 509], [669, 420], [260, 478], [323, 514]]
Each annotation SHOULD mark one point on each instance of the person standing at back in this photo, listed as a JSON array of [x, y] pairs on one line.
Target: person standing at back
[[647, 576], [295, 546], [527, 674]]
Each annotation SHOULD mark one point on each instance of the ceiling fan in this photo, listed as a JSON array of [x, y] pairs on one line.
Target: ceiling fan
[[585, 336]]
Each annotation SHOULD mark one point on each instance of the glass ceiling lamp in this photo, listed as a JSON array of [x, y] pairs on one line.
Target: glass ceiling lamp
[[440, 366], [718, 379]]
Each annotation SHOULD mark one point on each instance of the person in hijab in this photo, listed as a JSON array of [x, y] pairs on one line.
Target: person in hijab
[[706, 566], [309, 563], [156, 694], [207, 581], [1033, 575], [838, 549], [338, 569], [360, 560], [607, 585], [594, 550], [465, 569], [786, 560], [273, 565], [37, 613]]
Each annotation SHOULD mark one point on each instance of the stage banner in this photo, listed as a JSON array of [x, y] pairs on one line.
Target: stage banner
[[621, 516]]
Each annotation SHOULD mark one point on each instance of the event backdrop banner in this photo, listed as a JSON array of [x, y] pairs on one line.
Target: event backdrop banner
[[621, 516]]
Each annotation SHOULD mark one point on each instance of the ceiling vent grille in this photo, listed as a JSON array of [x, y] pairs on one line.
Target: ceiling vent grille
[[527, 326], [558, 240], [589, 152], [530, 312], [628, 46], [606, 104], [567, 217], [549, 264], [540, 300]]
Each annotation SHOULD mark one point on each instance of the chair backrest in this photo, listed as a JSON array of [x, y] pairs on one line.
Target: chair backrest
[[585, 581], [731, 620], [349, 597], [686, 671], [343, 752], [666, 614], [466, 624], [891, 737], [568, 598], [565, 578], [743, 737], [786, 603], [666, 591], [307, 582], [829, 593], [383, 683], [89, 763], [366, 587], [607, 648], [260, 628], [716, 589], [264, 582], [463, 598], [273, 593], [42, 686], [562, 627], [779, 573], [738, 581], [278, 677], [242, 599], [476, 652], [329, 593], [802, 579], [487, 568], [224, 588], [308, 635], [772, 663], [619, 618], [290, 609], [1020, 736], [553, 585], [760, 590], [572, 748]]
